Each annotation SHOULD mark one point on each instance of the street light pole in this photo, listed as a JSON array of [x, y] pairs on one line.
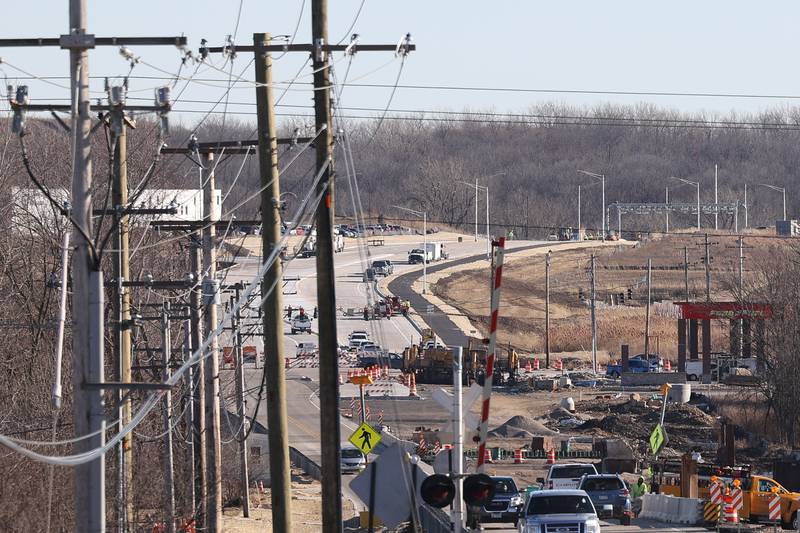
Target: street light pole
[[476, 209], [666, 212], [696, 184], [781, 190], [602, 179], [488, 237], [579, 210], [424, 215]]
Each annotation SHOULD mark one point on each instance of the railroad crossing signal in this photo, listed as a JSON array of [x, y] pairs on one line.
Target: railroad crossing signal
[[365, 438], [658, 438]]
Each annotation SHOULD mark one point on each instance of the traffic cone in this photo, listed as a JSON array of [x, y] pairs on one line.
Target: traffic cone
[[386, 371], [412, 388], [667, 366], [551, 456], [559, 365], [518, 458], [536, 364], [528, 367], [487, 456]]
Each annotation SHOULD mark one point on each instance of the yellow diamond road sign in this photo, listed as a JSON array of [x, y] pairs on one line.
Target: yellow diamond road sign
[[658, 438], [365, 438]]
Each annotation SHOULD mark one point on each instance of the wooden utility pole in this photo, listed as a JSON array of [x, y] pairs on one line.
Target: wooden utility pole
[[280, 474], [87, 292], [122, 312], [191, 492], [326, 293], [169, 474], [740, 322], [594, 318], [241, 410], [197, 373], [647, 314], [211, 362], [547, 310]]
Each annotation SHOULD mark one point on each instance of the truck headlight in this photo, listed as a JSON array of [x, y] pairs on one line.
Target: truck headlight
[[516, 501], [593, 526]]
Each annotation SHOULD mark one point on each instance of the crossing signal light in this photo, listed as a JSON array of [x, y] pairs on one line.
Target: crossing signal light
[[478, 489], [438, 490]]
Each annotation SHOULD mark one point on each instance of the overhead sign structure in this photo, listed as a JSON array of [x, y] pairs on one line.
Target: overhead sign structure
[[658, 438], [365, 438]]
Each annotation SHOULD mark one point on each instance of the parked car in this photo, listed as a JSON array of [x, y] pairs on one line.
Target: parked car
[[566, 475], [636, 365], [352, 460], [559, 510], [383, 267], [608, 489], [506, 503]]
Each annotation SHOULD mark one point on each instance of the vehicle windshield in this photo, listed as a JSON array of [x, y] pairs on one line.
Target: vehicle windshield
[[559, 505], [302, 318], [602, 483], [350, 453], [505, 486], [571, 472]]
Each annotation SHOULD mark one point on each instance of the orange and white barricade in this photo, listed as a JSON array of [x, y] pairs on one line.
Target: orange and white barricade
[[518, 458], [551, 456]]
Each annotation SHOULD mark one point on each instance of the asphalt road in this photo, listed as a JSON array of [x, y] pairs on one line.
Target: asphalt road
[[441, 323]]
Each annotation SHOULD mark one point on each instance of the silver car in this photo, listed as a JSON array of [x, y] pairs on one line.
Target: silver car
[[562, 511]]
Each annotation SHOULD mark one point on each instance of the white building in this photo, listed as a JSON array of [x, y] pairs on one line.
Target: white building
[[32, 210]]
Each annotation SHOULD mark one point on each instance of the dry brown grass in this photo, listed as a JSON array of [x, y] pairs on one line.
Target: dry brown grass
[[617, 269]]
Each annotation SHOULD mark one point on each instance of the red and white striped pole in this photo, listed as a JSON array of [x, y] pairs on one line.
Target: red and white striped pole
[[497, 276]]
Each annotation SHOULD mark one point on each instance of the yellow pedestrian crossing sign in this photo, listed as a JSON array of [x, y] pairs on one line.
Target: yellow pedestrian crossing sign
[[658, 438], [365, 438]]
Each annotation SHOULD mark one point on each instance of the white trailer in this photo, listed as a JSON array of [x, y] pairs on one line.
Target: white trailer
[[434, 251]]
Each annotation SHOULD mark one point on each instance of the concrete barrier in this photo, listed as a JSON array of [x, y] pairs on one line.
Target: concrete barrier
[[671, 509], [305, 464]]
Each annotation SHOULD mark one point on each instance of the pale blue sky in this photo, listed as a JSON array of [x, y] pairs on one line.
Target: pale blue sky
[[709, 46]]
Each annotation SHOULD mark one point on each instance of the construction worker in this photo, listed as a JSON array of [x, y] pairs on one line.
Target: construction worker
[[288, 311], [638, 490], [366, 312]]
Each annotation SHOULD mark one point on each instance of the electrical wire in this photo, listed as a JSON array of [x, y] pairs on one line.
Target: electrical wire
[[200, 354]]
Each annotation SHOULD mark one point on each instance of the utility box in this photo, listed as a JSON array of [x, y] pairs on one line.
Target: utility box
[[787, 228]]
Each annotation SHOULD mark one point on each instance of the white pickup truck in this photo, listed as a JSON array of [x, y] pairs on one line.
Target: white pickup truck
[[566, 475]]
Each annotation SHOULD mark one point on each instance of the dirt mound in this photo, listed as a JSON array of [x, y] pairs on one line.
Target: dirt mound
[[522, 427]]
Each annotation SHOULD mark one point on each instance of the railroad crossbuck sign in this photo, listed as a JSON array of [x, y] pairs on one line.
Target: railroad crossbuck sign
[[658, 438], [365, 438]]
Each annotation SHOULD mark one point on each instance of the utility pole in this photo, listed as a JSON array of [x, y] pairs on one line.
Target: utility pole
[[87, 292], [740, 322], [272, 316], [241, 410], [169, 476], [547, 309], [122, 313], [647, 315], [594, 318], [211, 362], [457, 513], [686, 270], [198, 376], [326, 292], [580, 237], [708, 269], [190, 417], [666, 212], [716, 205]]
